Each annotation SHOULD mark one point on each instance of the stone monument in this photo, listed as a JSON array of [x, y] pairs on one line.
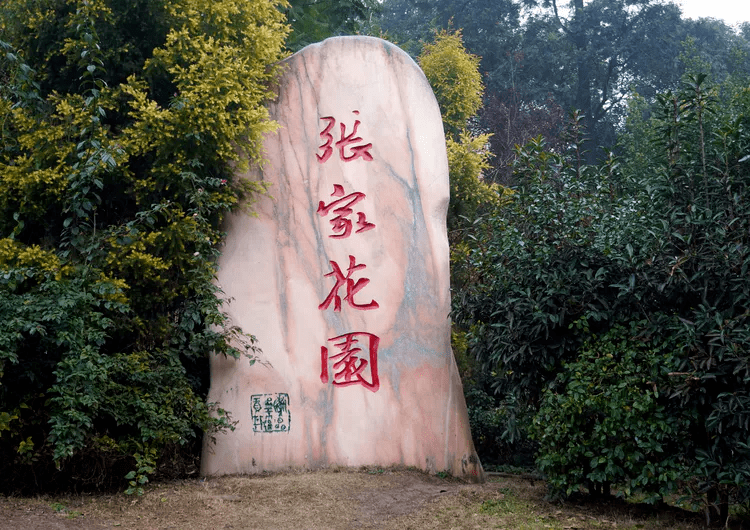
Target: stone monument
[[343, 277]]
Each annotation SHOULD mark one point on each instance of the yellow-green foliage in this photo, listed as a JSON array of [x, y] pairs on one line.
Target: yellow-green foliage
[[460, 347], [172, 151], [121, 126], [14, 255], [35, 177], [454, 76], [467, 160], [220, 82]]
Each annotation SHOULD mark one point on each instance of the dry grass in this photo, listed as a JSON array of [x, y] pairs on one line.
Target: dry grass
[[336, 500]]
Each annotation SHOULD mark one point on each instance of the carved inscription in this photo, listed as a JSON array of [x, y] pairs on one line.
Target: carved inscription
[[270, 412], [352, 358]]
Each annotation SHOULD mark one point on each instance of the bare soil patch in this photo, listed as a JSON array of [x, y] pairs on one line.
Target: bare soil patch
[[339, 499]]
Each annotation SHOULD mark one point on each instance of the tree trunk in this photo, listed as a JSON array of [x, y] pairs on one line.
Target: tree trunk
[[583, 101]]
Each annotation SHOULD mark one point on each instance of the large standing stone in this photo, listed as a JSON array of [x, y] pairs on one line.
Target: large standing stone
[[344, 278]]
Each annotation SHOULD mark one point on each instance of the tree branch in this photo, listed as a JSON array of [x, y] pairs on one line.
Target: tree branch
[[559, 20]]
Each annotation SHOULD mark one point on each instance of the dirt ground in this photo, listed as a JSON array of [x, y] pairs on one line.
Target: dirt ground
[[371, 498]]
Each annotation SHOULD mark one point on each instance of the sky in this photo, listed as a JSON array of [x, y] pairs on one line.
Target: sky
[[731, 11]]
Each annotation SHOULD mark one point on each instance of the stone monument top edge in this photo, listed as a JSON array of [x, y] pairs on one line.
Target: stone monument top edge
[[335, 45], [347, 40]]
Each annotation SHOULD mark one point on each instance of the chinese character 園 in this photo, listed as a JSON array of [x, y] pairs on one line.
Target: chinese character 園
[[352, 365]]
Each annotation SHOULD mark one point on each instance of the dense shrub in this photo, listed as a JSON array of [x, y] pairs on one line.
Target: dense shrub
[[608, 419], [543, 262], [119, 126], [693, 273], [658, 237]]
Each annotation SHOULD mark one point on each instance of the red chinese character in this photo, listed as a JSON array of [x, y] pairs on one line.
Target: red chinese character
[[342, 207], [358, 151], [352, 287], [351, 365]]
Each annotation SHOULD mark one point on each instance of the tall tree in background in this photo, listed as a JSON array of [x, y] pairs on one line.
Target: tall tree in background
[[315, 20], [513, 122], [712, 47], [610, 47], [489, 27], [575, 54]]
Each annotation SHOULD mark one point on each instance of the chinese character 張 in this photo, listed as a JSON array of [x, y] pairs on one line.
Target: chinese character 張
[[357, 151], [342, 207], [270, 412], [352, 365], [352, 287]]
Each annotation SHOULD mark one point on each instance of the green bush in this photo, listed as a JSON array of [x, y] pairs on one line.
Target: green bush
[[545, 260], [661, 238], [697, 283], [608, 419], [121, 124]]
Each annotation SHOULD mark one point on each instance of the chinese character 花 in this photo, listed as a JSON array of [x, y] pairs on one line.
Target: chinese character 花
[[352, 287]]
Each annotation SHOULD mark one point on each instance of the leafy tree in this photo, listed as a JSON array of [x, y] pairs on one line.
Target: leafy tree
[[609, 47], [121, 125], [692, 274], [454, 76], [315, 20], [488, 27], [712, 47], [582, 55]]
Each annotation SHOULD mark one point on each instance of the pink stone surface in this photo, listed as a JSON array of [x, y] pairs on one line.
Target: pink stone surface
[[359, 125]]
